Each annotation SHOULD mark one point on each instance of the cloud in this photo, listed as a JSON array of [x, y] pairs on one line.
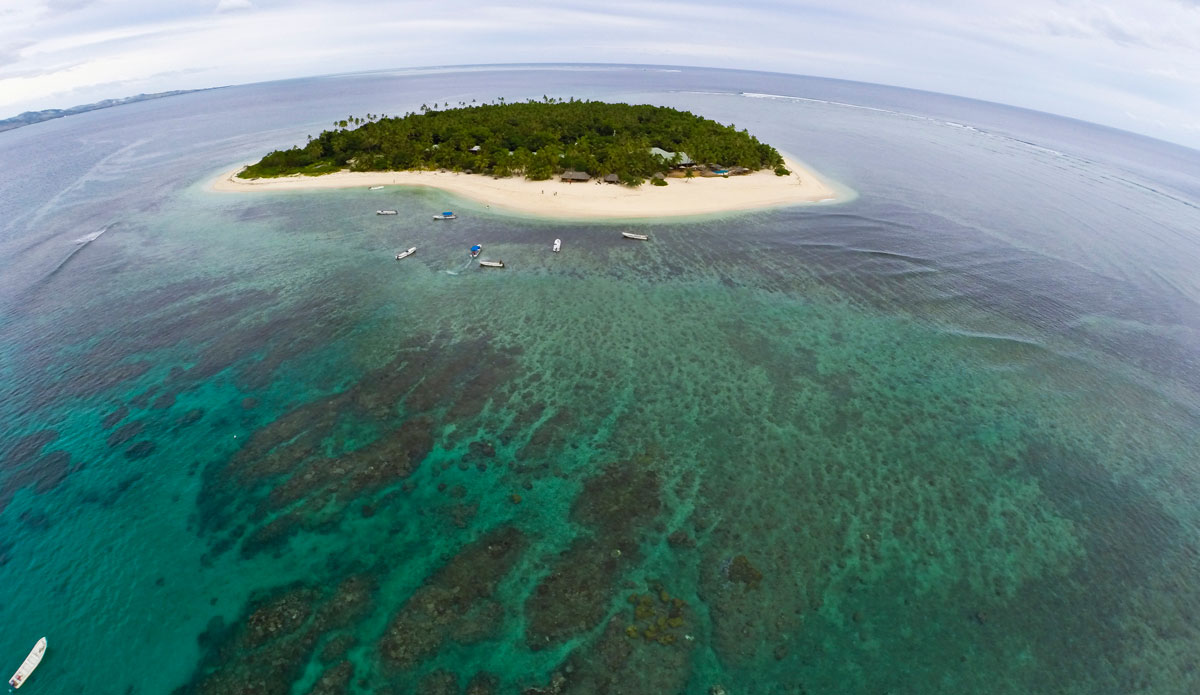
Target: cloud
[[67, 5], [233, 5], [11, 53], [1078, 58]]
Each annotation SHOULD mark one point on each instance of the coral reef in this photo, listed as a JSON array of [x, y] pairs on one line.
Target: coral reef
[[44, 474], [454, 603], [740, 570], [438, 682], [25, 448], [657, 616], [126, 432], [482, 683], [115, 416], [300, 473], [267, 650], [574, 595], [335, 680], [612, 663], [336, 648]]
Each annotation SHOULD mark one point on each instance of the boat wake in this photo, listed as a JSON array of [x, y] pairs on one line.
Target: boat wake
[[80, 244], [461, 268], [89, 238]]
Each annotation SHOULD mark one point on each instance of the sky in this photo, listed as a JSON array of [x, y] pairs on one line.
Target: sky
[[1130, 64]]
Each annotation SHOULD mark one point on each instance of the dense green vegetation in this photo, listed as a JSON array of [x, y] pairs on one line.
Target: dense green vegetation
[[535, 139]]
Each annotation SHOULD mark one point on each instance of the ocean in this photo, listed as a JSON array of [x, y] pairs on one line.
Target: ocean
[[943, 437]]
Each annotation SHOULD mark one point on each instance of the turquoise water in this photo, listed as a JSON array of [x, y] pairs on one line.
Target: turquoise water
[[939, 439]]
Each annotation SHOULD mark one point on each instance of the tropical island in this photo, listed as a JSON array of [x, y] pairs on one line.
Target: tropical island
[[505, 154]]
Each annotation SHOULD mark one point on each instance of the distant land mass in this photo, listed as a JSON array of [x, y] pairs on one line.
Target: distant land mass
[[31, 117]]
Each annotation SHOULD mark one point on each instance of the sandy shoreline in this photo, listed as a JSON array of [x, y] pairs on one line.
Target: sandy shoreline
[[697, 196]]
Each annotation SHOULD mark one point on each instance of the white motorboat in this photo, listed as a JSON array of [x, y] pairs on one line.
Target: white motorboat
[[446, 216], [491, 264], [406, 254], [375, 188], [631, 235], [557, 245], [31, 662], [386, 212]]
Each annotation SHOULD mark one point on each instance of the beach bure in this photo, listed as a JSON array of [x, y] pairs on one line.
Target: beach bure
[[534, 139]]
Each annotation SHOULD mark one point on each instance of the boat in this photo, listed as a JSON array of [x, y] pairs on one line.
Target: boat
[[406, 254], [386, 212], [375, 188], [476, 250], [557, 245], [31, 662], [491, 264], [631, 235], [446, 216]]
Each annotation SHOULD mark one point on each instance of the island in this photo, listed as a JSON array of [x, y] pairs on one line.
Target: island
[[554, 157]]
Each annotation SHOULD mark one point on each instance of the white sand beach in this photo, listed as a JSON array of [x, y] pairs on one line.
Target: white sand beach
[[554, 198]]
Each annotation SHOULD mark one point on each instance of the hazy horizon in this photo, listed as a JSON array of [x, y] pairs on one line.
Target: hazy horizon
[[1130, 65], [431, 69]]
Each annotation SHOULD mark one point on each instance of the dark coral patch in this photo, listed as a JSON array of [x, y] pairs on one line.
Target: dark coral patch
[[299, 471], [266, 651], [455, 602], [44, 475], [126, 432], [115, 416], [740, 570], [26, 448], [335, 680], [191, 417], [51, 470], [614, 663], [141, 449], [483, 683], [574, 597]]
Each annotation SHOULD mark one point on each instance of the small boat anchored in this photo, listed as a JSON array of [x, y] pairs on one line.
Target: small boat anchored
[[476, 250], [31, 662], [386, 212], [406, 254], [375, 188], [557, 245], [446, 216], [491, 264], [631, 235]]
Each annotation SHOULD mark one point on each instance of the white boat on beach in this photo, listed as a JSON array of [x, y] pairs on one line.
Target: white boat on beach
[[557, 245], [386, 212], [446, 216], [375, 188], [406, 254], [31, 662], [491, 264], [631, 235]]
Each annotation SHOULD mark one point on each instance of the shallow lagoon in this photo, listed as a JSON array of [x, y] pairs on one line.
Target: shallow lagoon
[[941, 438]]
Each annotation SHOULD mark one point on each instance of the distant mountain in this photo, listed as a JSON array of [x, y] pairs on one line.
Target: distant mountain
[[31, 117]]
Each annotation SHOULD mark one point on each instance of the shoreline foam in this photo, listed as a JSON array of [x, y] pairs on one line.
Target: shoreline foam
[[555, 199]]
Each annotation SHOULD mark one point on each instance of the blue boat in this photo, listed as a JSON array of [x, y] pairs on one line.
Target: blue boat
[[475, 250], [445, 216]]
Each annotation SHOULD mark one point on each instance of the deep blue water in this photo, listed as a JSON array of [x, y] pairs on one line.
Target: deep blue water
[[938, 439]]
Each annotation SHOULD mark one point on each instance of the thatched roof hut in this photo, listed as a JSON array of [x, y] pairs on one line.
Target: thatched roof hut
[[570, 176], [612, 178]]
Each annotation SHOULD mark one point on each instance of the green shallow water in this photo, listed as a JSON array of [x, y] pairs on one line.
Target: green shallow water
[[862, 448]]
